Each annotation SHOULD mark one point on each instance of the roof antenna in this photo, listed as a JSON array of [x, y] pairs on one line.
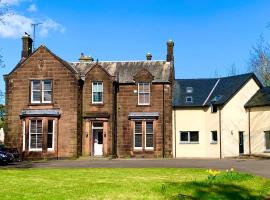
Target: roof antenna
[[34, 33]]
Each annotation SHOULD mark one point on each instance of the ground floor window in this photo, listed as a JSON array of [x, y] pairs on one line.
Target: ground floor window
[[36, 139], [50, 135], [143, 135], [267, 140], [189, 136], [35, 135], [214, 137]]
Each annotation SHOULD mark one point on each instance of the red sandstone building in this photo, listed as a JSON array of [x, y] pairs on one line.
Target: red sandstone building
[[58, 109]]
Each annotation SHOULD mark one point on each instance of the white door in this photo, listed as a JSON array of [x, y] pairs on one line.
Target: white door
[[98, 139]]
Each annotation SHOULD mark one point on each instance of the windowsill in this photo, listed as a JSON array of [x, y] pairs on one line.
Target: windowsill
[[213, 142], [139, 149], [35, 150], [267, 151], [149, 149], [143, 105], [97, 104], [40, 104], [189, 143]]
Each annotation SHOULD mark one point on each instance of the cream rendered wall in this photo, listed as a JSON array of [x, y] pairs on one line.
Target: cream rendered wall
[[234, 118], [260, 122]]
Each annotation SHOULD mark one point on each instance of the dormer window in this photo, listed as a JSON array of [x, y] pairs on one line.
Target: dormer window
[[143, 93], [189, 99], [97, 92], [189, 90]]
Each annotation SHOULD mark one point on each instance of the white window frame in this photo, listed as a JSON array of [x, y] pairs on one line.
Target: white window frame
[[212, 141], [32, 91], [30, 121], [42, 91], [188, 142], [145, 133], [143, 83], [265, 132], [23, 132], [53, 130], [97, 102], [190, 98], [137, 148]]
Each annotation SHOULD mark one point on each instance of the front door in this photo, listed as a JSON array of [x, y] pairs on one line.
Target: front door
[[241, 142], [97, 139]]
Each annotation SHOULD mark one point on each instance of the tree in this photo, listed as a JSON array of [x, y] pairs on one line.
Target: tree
[[2, 115], [233, 70], [259, 61]]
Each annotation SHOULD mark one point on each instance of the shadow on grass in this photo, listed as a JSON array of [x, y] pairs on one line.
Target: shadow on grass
[[206, 191]]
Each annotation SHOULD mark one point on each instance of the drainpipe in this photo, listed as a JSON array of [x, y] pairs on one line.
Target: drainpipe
[[114, 120], [163, 134], [249, 137], [57, 138], [220, 141], [174, 116]]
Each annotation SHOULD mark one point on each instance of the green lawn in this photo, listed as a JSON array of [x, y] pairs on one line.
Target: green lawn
[[161, 183]]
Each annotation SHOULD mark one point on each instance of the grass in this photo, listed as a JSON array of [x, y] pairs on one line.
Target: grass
[[161, 183]]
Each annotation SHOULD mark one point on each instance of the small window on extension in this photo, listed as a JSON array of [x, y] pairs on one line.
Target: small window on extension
[[189, 90], [213, 108], [189, 99]]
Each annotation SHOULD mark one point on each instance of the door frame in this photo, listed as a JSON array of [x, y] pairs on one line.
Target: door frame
[[92, 137]]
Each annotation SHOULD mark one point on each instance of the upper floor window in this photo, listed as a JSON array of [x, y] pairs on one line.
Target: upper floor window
[[41, 91], [97, 92], [144, 93]]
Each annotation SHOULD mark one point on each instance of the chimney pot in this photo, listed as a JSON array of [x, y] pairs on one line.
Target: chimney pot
[[84, 58], [148, 56], [27, 43], [170, 56]]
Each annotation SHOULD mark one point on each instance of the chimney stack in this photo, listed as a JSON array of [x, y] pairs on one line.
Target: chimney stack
[[148, 56], [26, 45], [84, 58], [170, 56]]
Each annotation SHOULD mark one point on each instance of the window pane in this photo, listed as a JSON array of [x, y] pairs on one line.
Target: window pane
[[50, 126], [47, 85], [147, 98], [33, 141], [36, 85], [97, 97], [149, 140], [33, 126], [39, 140], [94, 87], [147, 87], [36, 96], [39, 126], [141, 99], [100, 87], [267, 140], [194, 136], [138, 140], [49, 140], [140, 87], [47, 96], [149, 127], [138, 127], [98, 125], [184, 136]]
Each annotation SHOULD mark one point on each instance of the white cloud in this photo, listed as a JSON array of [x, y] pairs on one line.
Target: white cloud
[[15, 25], [11, 2], [32, 8], [50, 25]]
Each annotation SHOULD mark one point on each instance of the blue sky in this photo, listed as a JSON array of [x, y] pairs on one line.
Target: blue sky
[[209, 35]]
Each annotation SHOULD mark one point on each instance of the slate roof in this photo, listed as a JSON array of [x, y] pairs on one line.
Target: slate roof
[[206, 91], [261, 98], [125, 70]]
